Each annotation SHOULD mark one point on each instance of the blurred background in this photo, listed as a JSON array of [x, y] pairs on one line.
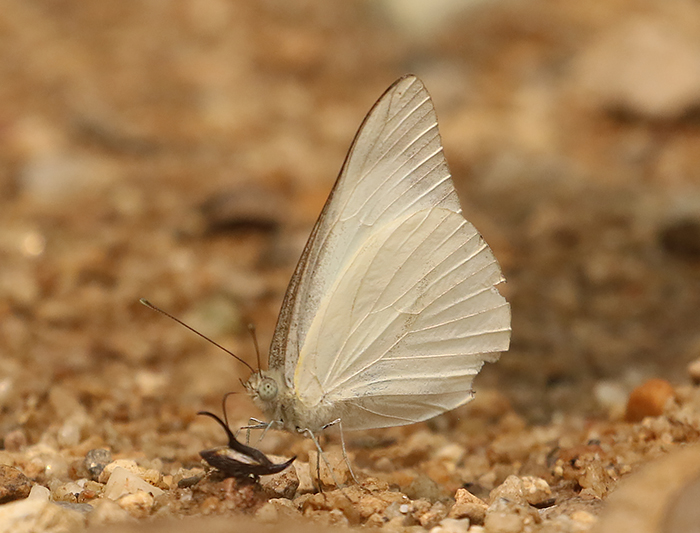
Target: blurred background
[[182, 150]]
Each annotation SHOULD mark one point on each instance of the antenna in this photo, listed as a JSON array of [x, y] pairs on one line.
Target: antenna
[[150, 305], [251, 329], [223, 406]]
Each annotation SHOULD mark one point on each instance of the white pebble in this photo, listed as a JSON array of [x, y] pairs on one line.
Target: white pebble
[[123, 482], [39, 492]]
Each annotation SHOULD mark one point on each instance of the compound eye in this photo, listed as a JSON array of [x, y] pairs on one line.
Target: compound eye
[[267, 389]]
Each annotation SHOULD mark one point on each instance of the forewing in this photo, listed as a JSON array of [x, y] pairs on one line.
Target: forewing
[[394, 169]]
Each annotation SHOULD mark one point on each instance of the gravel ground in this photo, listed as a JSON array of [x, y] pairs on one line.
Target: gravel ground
[[181, 152]]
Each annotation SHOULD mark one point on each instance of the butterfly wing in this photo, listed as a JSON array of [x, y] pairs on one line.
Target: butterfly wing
[[392, 309]]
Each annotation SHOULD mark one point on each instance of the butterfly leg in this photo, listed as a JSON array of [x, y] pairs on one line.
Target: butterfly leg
[[267, 428], [318, 472], [254, 423], [310, 434], [339, 423]]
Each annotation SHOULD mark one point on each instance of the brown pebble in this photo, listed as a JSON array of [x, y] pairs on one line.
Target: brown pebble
[[433, 516], [138, 504], [649, 399], [511, 490], [468, 506], [86, 496], [14, 485], [536, 491]]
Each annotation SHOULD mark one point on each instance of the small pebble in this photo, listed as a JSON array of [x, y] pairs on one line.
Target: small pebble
[[511, 490], [14, 485], [188, 477], [468, 506], [123, 482], [190, 481], [67, 492], [128, 464], [433, 516], [370, 505], [138, 504], [649, 399], [509, 511], [306, 482], [96, 460], [39, 492], [536, 490], [423, 487]]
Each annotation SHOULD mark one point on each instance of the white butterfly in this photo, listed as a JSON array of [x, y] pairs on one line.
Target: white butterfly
[[392, 309]]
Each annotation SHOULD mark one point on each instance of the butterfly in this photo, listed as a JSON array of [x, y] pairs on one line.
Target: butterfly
[[393, 308]]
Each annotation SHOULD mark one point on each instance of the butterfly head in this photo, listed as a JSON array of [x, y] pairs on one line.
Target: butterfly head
[[278, 402], [263, 388]]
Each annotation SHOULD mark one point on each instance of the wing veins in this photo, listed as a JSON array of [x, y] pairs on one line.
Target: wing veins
[[378, 413], [480, 334], [416, 184], [466, 260], [405, 334], [400, 268], [414, 167], [362, 321], [427, 328], [365, 172]]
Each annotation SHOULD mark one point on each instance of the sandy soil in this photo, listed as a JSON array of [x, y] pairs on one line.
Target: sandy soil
[[181, 152]]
